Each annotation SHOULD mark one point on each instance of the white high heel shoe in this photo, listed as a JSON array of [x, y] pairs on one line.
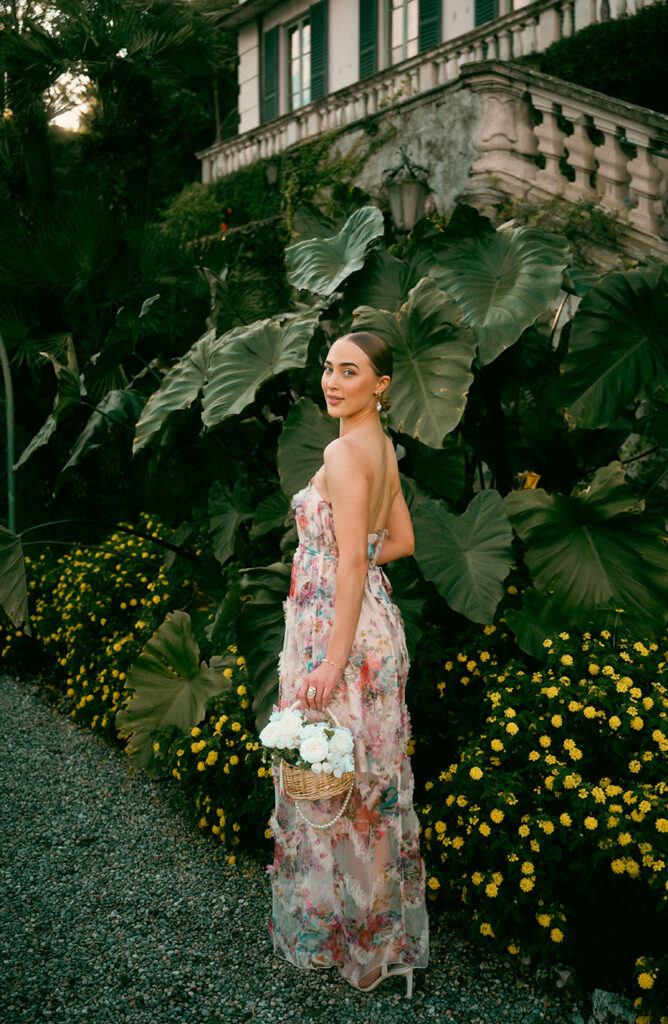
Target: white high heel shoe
[[388, 971]]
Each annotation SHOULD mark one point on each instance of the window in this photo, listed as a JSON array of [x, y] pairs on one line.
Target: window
[[486, 10], [403, 29], [299, 63]]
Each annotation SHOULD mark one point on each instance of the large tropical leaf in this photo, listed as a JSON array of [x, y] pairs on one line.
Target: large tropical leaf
[[322, 264], [538, 618], [595, 549], [13, 589], [227, 510], [68, 397], [178, 390], [442, 470], [503, 280], [171, 688], [117, 408], [618, 346], [306, 433], [467, 557], [432, 361], [270, 514], [261, 628], [246, 357]]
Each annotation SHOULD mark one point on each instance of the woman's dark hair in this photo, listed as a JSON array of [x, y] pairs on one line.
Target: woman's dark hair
[[379, 354]]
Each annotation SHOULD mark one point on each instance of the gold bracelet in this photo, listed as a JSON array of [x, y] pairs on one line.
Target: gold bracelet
[[335, 664]]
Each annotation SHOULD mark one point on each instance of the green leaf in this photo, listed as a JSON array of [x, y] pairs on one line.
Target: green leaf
[[503, 280], [122, 406], [467, 557], [171, 687], [261, 629], [441, 470], [13, 588], [618, 346], [270, 515], [322, 264], [179, 389], [537, 619], [227, 510], [594, 550], [67, 398], [432, 361], [306, 433], [246, 357]]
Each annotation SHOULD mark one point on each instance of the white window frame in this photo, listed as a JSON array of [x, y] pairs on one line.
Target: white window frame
[[298, 23]]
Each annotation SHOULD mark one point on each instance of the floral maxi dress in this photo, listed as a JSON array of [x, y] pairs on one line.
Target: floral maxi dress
[[351, 896]]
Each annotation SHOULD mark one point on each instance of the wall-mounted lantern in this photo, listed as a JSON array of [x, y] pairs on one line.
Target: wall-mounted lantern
[[407, 190]]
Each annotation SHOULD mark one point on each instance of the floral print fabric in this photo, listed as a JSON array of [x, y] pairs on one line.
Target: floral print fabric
[[350, 896]]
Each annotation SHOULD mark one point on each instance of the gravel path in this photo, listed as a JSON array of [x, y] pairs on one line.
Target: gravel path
[[114, 910]]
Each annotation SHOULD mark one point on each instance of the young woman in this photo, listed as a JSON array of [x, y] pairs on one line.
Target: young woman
[[352, 895]]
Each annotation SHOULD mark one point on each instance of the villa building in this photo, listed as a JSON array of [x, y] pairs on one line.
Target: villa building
[[438, 80]]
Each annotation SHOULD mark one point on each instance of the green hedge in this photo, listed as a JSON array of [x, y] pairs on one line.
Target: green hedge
[[624, 57]]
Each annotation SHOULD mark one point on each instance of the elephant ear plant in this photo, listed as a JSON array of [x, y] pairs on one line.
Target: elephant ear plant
[[489, 399]]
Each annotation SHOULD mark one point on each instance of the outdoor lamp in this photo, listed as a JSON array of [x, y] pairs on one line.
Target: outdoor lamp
[[407, 190]]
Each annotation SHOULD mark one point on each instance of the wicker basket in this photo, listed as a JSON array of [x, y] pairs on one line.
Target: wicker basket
[[303, 784]]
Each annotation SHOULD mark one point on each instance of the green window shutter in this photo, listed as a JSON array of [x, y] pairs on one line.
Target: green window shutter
[[270, 78], [318, 19], [485, 10], [429, 26], [368, 37]]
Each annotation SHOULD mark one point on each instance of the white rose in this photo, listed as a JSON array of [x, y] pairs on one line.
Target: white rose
[[309, 730], [316, 768], [313, 749], [290, 726], [270, 734], [341, 742], [326, 768]]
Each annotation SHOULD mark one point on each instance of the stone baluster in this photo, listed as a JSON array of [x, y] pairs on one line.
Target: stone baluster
[[567, 22], [649, 179], [533, 36], [593, 15], [517, 33], [581, 156], [452, 66], [550, 144], [477, 50], [504, 44], [549, 27], [612, 177], [620, 8]]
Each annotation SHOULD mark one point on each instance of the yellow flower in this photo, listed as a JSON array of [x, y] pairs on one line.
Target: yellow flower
[[637, 723], [534, 755], [527, 868], [484, 829], [195, 731], [547, 642], [557, 721], [544, 920], [594, 670], [234, 759], [496, 745], [241, 690], [434, 883], [523, 831], [491, 889], [566, 659], [236, 726], [497, 816], [634, 766], [228, 673], [512, 729], [475, 773], [486, 929], [614, 722], [565, 819], [557, 935], [526, 884], [476, 878], [200, 766], [590, 823], [231, 859], [212, 757], [662, 824], [645, 980], [547, 827], [440, 827], [513, 948]]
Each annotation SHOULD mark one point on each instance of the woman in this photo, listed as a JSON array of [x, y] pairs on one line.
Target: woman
[[352, 895]]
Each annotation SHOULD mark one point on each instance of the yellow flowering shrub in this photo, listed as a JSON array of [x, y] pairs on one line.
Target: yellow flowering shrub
[[231, 795], [555, 834]]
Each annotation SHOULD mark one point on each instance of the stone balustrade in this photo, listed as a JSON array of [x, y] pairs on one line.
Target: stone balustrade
[[530, 29], [540, 135]]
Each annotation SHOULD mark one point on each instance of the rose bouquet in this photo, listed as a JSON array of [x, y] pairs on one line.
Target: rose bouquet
[[314, 746]]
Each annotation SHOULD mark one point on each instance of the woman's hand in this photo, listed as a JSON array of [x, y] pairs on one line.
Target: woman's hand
[[325, 678]]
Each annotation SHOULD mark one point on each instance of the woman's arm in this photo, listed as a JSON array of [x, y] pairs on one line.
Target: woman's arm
[[349, 492], [400, 540]]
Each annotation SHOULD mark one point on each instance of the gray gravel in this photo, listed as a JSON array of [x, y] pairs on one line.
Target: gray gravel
[[115, 910]]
